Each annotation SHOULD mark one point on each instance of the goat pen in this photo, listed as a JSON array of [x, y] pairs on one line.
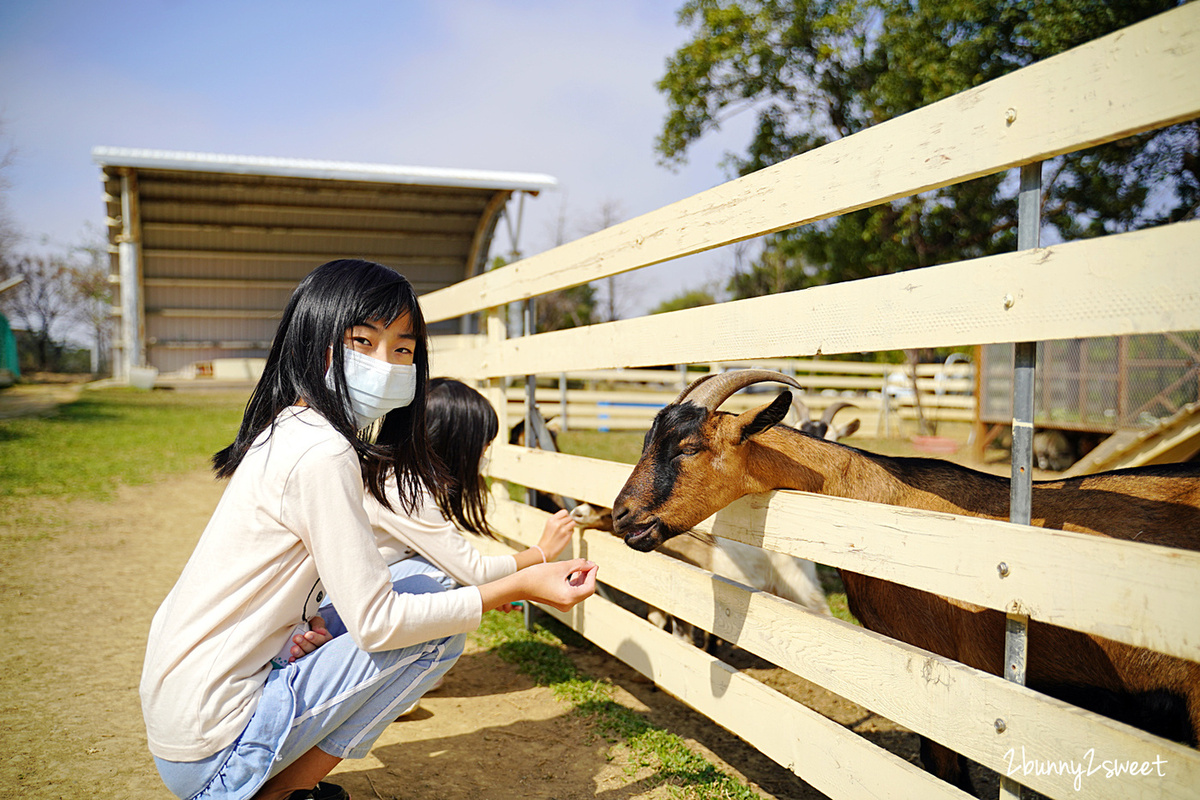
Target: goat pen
[[1141, 78]]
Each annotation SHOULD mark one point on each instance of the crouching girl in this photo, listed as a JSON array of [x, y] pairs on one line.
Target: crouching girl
[[228, 715]]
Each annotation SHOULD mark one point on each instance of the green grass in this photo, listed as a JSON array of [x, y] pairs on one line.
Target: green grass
[[107, 438], [624, 447], [542, 654]]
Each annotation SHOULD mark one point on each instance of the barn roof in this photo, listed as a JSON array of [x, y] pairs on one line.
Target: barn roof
[[223, 239]]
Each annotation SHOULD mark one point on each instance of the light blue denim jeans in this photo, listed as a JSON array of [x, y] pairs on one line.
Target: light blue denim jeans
[[338, 698]]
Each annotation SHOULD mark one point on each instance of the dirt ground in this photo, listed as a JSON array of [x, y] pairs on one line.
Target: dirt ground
[[78, 607]]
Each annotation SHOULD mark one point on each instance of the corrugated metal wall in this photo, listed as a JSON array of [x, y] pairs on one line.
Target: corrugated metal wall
[[221, 252]]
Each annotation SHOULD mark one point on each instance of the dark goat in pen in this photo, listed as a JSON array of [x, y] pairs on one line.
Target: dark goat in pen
[[545, 438], [824, 428], [696, 460]]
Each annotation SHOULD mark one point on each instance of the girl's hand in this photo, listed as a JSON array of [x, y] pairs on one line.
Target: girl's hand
[[557, 534], [305, 643], [560, 584]]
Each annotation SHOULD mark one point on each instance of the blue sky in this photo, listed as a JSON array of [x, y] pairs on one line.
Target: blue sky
[[565, 89]]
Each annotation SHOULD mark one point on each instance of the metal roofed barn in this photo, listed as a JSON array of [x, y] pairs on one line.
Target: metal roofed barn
[[207, 248]]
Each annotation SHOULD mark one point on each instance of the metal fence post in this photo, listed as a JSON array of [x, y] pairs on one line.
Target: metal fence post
[[1016, 628]]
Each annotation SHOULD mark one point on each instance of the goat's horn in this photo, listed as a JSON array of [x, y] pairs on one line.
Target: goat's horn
[[801, 409], [827, 417], [712, 390]]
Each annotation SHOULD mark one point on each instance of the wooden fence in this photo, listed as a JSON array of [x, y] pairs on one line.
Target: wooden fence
[[1140, 78], [884, 396]]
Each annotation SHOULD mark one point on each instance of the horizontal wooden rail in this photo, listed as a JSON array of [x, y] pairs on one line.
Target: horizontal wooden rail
[[638, 418], [857, 374], [813, 385], [931, 695], [1134, 593], [825, 754], [1098, 92], [815, 402], [1028, 295]]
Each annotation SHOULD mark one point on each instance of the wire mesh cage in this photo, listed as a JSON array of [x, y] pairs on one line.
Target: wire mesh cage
[[1099, 385]]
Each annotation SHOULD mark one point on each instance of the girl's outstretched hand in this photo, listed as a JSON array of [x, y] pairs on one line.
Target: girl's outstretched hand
[[556, 535], [559, 584], [562, 584]]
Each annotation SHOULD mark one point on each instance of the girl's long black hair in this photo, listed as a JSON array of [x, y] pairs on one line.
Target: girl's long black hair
[[462, 423], [333, 297]]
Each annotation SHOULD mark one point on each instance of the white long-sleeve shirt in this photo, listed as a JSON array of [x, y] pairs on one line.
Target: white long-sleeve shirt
[[427, 532], [290, 525]]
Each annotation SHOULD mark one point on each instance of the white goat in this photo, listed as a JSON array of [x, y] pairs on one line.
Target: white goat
[[785, 576]]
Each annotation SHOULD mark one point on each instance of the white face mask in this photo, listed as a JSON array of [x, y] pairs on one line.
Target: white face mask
[[375, 387]]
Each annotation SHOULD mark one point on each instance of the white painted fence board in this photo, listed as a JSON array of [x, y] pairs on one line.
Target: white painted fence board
[[1142, 77], [652, 401], [831, 758], [639, 419], [552, 395], [1138, 594], [632, 423], [655, 376], [592, 480], [798, 367], [812, 384], [802, 370], [931, 695], [955, 304]]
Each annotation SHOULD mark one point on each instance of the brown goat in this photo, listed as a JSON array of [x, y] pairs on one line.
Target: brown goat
[[696, 460]]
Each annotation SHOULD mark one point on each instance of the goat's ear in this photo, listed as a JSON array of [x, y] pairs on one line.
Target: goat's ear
[[757, 420], [847, 429]]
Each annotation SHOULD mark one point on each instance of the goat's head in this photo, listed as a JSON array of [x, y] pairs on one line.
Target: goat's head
[[824, 428], [590, 517], [694, 459]]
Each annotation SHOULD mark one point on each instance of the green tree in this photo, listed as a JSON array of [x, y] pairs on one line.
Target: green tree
[[574, 307], [813, 71], [692, 298], [567, 308]]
